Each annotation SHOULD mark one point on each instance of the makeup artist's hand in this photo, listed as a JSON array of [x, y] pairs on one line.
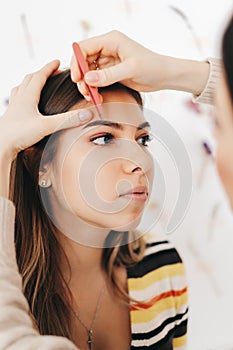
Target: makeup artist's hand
[[22, 125], [119, 58]]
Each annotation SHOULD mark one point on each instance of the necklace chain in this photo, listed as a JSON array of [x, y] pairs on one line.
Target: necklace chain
[[90, 330]]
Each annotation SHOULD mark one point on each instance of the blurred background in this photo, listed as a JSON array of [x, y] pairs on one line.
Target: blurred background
[[34, 32]]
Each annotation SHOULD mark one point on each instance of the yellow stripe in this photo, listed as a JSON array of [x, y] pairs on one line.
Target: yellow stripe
[[181, 341], [156, 276], [142, 315]]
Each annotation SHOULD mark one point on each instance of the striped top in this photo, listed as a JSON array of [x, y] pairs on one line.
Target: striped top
[[159, 280]]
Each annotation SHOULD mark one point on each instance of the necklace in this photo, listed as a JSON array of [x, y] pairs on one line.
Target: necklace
[[89, 330]]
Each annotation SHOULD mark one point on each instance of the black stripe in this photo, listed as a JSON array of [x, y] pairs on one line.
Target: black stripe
[[181, 329], [156, 331], [153, 244], [164, 344], [154, 261]]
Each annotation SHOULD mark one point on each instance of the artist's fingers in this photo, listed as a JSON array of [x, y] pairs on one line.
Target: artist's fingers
[[35, 81], [66, 120], [92, 48], [107, 76]]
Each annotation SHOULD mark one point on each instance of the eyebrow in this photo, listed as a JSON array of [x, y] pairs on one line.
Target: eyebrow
[[114, 125]]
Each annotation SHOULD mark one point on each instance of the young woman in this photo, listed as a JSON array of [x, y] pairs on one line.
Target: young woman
[[77, 198], [121, 59]]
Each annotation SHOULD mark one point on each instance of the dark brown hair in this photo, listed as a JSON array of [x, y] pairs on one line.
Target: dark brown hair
[[37, 248]]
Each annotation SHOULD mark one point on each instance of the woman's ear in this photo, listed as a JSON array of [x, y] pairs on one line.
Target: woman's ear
[[45, 176]]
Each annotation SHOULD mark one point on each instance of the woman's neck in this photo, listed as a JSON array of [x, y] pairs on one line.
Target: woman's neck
[[82, 259]]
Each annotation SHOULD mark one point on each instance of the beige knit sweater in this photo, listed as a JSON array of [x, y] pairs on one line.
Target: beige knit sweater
[[16, 329]]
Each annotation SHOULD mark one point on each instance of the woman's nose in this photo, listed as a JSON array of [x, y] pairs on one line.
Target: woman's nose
[[137, 169], [137, 159]]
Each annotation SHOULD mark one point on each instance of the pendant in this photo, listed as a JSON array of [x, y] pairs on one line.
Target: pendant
[[90, 339]]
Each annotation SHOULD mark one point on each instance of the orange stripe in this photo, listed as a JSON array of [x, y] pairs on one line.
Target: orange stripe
[[147, 305]]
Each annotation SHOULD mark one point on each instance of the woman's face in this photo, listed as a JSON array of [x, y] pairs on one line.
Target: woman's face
[[224, 137], [103, 171]]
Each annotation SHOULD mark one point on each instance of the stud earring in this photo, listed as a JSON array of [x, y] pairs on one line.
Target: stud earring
[[43, 183]]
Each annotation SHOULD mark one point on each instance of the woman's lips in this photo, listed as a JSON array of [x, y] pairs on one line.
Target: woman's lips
[[138, 193]]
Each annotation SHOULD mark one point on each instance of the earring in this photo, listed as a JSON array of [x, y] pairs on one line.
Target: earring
[[43, 183]]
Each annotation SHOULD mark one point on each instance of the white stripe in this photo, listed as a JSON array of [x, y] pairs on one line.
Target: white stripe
[[185, 317], [162, 286], [154, 339], [145, 327], [158, 248], [152, 237], [157, 337]]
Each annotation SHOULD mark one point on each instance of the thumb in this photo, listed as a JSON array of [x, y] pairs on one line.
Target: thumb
[[67, 120], [107, 76]]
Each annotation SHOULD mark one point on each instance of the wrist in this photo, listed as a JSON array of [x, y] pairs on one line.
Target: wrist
[[186, 75], [7, 153], [5, 167], [6, 156]]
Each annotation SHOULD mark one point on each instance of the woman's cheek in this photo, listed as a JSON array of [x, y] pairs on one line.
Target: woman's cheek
[[106, 180]]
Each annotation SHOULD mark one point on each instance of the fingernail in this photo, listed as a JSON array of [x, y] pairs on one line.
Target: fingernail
[[85, 115], [92, 77], [87, 98]]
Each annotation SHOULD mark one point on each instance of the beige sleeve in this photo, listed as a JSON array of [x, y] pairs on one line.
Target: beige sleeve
[[16, 329], [207, 95]]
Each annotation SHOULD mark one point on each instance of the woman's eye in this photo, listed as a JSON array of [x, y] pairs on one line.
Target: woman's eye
[[144, 140], [102, 139]]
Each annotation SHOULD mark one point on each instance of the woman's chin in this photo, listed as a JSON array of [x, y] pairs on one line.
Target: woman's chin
[[127, 225]]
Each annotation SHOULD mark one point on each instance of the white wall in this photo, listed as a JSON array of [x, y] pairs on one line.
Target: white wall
[[205, 237]]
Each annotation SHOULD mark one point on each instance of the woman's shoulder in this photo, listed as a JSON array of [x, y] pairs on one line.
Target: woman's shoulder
[[160, 255], [159, 244]]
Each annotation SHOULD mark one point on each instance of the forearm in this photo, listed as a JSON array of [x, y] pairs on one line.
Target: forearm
[[185, 75]]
